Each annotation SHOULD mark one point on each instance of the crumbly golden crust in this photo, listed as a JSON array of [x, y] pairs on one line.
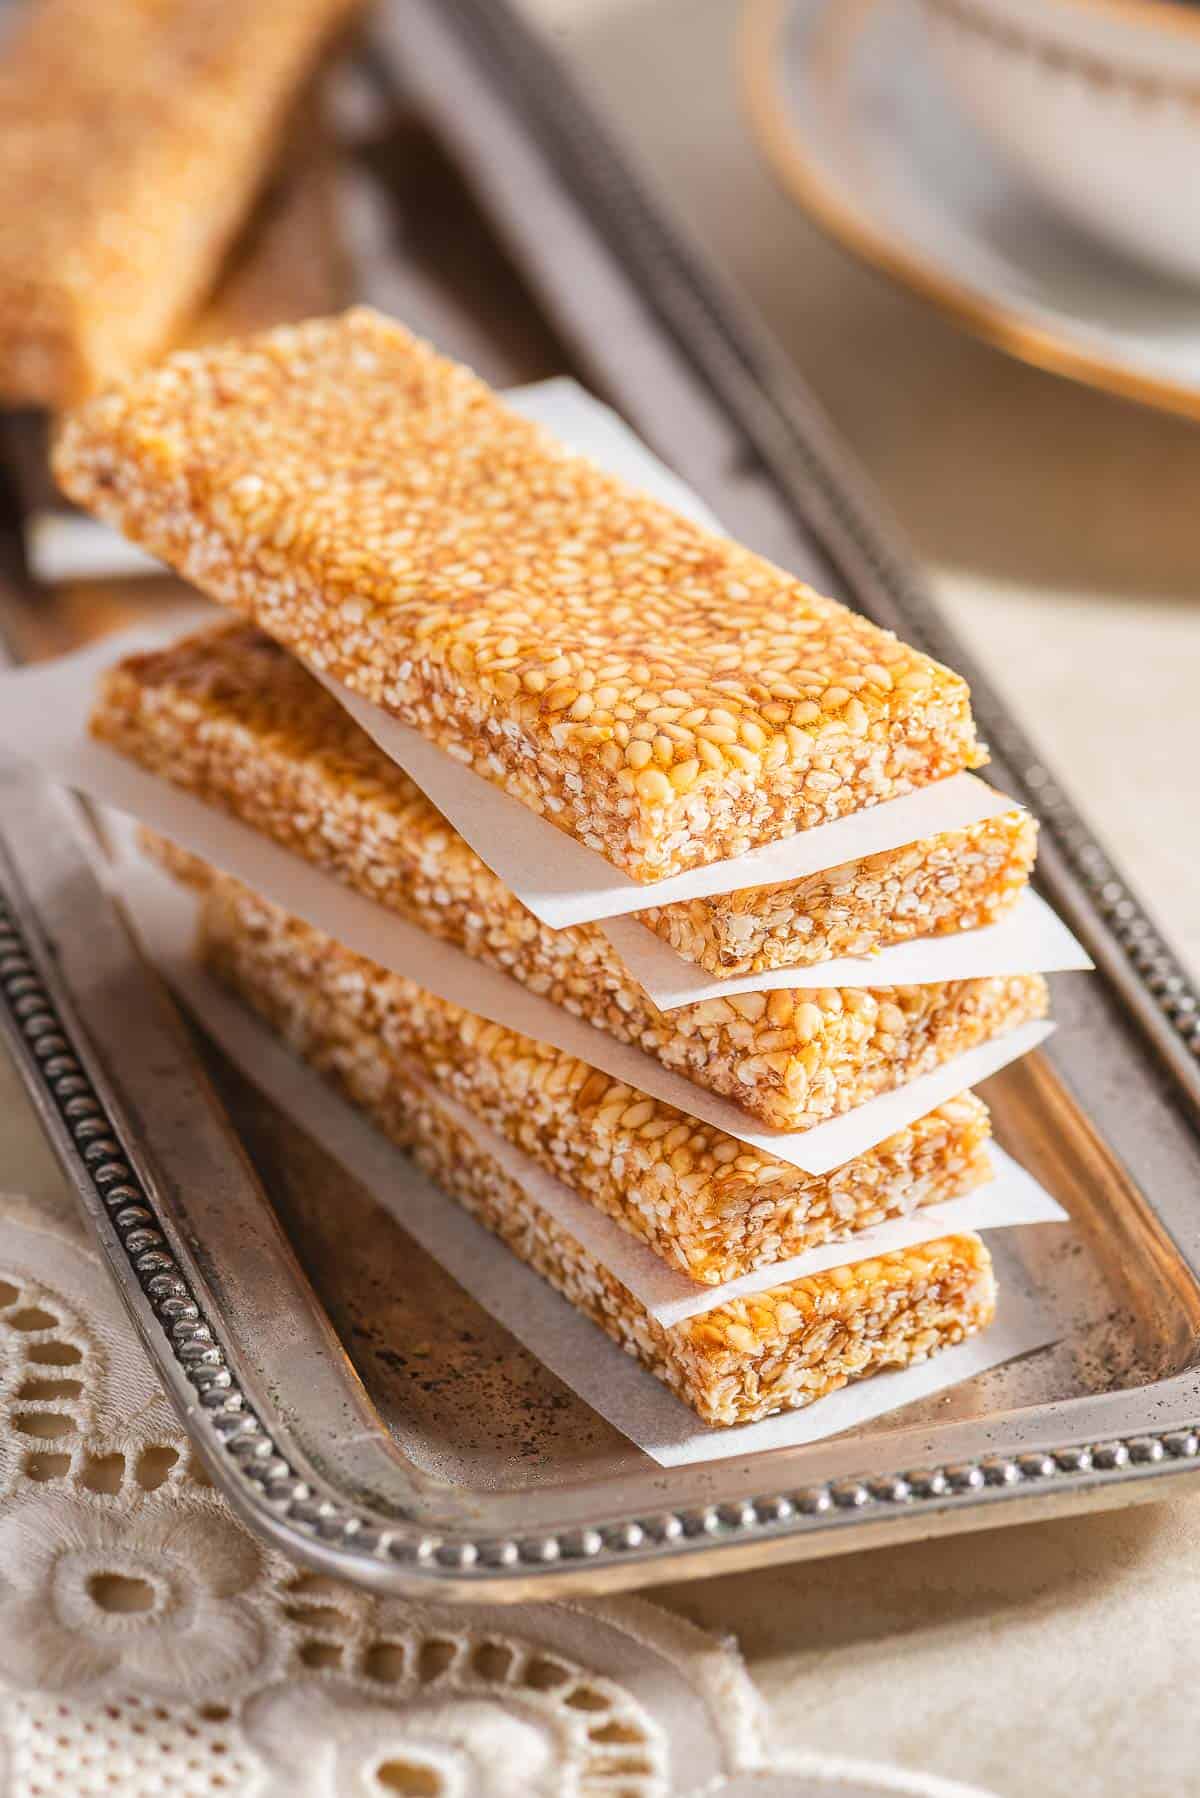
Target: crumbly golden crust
[[306, 776], [711, 1206], [744, 1360], [135, 138], [660, 693]]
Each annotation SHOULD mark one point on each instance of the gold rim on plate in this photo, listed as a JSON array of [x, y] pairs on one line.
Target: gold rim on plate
[[1163, 15], [761, 32]]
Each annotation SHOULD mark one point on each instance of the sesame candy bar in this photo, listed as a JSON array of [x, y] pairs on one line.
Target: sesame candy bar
[[240, 724], [711, 1206], [665, 696], [135, 139], [747, 1358], [959, 880], [236, 719]]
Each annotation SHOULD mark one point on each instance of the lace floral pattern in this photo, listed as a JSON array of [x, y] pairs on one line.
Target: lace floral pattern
[[154, 1600], [147, 1643]]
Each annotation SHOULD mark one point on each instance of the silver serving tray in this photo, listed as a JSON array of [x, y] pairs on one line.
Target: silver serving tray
[[356, 1407]]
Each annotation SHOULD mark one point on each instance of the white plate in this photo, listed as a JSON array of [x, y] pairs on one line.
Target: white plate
[[847, 102]]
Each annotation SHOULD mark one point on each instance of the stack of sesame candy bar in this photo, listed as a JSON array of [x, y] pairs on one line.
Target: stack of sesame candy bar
[[668, 698]]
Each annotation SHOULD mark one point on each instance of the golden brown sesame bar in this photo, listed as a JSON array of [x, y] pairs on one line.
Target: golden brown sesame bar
[[318, 785], [706, 1203], [236, 719], [960, 880], [288, 262], [135, 137], [749, 1357], [662, 694]]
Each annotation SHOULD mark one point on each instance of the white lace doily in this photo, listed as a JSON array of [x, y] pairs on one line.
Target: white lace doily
[[149, 1645]]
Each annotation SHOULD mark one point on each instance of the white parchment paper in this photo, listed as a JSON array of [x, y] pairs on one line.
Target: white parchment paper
[[1032, 939]]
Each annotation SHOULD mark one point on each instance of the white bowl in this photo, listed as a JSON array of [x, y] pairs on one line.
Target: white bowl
[[1096, 102]]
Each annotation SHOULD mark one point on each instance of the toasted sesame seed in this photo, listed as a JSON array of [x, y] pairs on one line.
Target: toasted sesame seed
[[591, 589]]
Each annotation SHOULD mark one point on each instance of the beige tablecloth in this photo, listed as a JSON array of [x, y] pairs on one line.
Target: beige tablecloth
[[1061, 529]]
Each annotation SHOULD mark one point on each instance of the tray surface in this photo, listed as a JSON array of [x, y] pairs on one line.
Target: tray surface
[[352, 1401]]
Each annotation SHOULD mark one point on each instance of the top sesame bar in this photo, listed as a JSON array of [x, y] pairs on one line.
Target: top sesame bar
[[660, 693]]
